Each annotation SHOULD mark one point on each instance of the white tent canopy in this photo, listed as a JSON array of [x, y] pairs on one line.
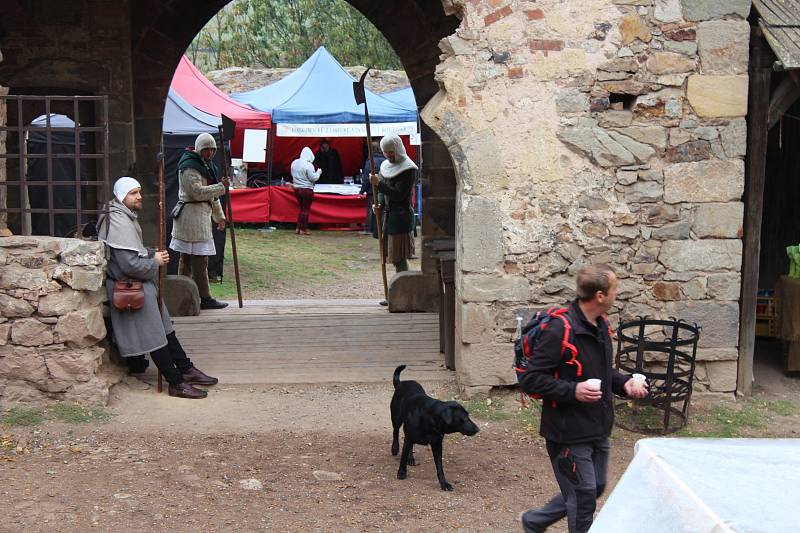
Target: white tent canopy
[[706, 486]]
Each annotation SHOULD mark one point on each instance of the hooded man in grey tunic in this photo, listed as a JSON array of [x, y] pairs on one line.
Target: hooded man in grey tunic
[[143, 330]]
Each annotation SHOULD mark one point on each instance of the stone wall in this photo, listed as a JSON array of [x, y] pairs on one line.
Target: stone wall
[[51, 321], [602, 130]]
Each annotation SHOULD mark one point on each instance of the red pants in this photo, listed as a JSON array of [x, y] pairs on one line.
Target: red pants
[[304, 198]]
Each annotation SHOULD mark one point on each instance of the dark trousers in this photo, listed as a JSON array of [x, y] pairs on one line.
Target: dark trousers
[[581, 472], [196, 267], [171, 360], [304, 198]]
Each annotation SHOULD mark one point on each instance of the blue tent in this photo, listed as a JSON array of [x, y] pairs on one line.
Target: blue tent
[[180, 117], [403, 97], [321, 92]]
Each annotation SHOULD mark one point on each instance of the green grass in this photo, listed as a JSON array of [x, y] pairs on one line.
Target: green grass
[[727, 421], [23, 416], [487, 409], [271, 261], [69, 413]]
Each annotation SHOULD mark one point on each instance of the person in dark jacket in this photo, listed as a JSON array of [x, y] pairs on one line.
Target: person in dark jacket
[[328, 160], [395, 185], [577, 413]]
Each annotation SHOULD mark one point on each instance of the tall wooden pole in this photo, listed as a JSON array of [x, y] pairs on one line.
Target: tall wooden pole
[[161, 244], [229, 216], [360, 94], [761, 60]]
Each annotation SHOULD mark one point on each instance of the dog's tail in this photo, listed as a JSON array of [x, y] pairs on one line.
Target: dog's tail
[[396, 378]]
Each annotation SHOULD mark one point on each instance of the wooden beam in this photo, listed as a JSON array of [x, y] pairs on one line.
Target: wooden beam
[[784, 96], [761, 59]]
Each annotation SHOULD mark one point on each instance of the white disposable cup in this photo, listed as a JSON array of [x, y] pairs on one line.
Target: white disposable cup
[[638, 379], [594, 383]]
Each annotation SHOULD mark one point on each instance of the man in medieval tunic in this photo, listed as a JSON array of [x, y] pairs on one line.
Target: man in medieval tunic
[[199, 189], [145, 330], [395, 184]]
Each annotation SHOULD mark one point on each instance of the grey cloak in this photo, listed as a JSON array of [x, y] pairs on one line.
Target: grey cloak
[[144, 330]]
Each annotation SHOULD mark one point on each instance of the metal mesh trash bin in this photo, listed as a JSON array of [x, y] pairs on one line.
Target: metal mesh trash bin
[[665, 352]]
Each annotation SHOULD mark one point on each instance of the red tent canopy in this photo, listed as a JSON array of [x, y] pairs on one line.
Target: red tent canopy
[[195, 88]]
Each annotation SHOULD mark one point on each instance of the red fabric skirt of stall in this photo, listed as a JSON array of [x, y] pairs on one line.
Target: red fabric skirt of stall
[[278, 204]]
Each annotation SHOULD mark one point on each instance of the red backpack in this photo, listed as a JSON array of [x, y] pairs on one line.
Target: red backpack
[[529, 335]]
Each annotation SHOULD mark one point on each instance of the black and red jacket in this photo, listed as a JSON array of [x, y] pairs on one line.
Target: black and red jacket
[[564, 419]]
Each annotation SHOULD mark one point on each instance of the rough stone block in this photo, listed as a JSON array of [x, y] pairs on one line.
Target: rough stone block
[[723, 46], [70, 365], [726, 286], [734, 138], [572, 101], [14, 276], [86, 280], [76, 252], [674, 231], [717, 354], [653, 135], [478, 288], [722, 375], [60, 303], [644, 192], [694, 289], [668, 11], [31, 332], [484, 365], [475, 321], [718, 96], [719, 320], [81, 328], [704, 181], [705, 255], [14, 307], [697, 10], [719, 220], [413, 291], [669, 63], [23, 364], [481, 236], [181, 296], [5, 332], [632, 27]]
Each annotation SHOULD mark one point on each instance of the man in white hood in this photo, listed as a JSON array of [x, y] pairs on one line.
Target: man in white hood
[[141, 331], [304, 176], [396, 184]]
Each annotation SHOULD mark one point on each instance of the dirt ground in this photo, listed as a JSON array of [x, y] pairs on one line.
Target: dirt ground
[[165, 464], [320, 456]]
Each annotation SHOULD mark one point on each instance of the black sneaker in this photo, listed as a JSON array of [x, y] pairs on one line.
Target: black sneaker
[[211, 303], [383, 303]]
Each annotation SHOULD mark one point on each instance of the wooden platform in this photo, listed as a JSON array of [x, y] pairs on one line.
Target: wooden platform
[[312, 341]]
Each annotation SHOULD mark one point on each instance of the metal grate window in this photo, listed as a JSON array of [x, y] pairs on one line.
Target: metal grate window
[[56, 161]]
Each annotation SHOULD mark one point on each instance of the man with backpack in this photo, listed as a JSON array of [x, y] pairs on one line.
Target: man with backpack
[[568, 356]]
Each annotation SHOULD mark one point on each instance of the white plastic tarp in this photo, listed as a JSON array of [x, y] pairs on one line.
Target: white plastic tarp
[[706, 485]]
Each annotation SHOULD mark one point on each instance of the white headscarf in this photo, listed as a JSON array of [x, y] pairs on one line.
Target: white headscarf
[[119, 226], [124, 185], [203, 141], [392, 143]]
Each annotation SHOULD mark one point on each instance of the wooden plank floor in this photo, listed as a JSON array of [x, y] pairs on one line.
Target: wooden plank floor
[[312, 341]]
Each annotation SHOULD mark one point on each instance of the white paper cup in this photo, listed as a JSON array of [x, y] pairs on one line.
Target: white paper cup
[[594, 383], [639, 379]]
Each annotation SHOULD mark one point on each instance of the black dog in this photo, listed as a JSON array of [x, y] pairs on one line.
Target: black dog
[[425, 420]]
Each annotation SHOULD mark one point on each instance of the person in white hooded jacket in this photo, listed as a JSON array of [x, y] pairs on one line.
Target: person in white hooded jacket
[[304, 176]]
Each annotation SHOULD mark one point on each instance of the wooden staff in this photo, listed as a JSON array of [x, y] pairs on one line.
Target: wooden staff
[[161, 245], [359, 91], [229, 214]]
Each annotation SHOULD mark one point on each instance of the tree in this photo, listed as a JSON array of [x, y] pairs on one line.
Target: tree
[[284, 33]]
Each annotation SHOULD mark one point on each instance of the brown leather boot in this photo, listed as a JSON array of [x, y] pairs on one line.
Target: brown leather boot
[[184, 390], [195, 376]]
